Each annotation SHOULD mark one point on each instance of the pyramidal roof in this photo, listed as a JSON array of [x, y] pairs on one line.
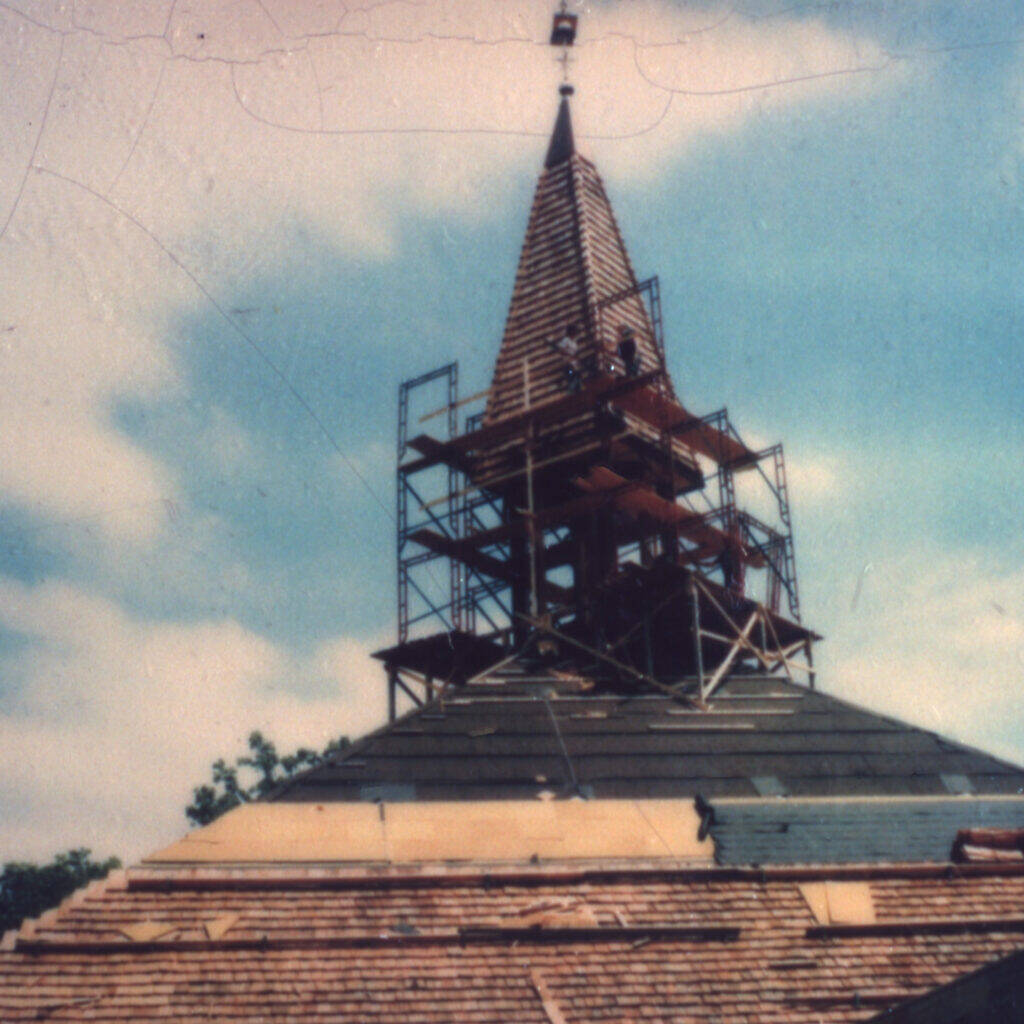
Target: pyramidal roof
[[573, 262]]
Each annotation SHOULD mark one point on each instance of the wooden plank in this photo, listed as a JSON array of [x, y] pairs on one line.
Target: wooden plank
[[498, 478], [731, 656], [434, 451], [699, 726], [455, 405], [597, 389], [555, 515], [663, 413], [643, 502], [919, 926]]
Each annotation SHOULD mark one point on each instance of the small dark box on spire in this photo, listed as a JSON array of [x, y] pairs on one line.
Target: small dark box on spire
[[563, 29]]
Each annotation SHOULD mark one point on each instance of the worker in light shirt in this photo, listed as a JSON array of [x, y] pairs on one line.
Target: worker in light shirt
[[569, 349]]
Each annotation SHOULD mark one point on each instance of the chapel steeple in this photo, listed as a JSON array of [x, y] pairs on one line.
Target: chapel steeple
[[589, 520], [574, 277]]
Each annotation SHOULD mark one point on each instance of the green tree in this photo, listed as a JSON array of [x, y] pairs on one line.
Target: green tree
[[26, 890], [252, 776]]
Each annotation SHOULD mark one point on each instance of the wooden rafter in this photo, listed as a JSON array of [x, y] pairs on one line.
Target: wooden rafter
[[663, 413]]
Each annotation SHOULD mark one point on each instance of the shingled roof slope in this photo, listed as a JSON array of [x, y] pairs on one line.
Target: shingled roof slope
[[761, 736], [857, 830], [541, 945]]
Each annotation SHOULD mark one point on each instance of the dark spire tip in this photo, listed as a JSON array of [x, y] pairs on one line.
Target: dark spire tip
[[562, 145]]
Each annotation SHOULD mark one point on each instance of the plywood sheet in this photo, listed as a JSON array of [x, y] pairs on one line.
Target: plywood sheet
[[283, 832], [520, 829], [850, 903], [839, 902], [494, 830], [816, 898]]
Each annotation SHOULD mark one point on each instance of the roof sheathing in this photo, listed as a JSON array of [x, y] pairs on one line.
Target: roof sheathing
[[482, 746]]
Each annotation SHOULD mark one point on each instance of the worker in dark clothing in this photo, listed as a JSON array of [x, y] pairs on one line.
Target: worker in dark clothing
[[733, 563], [627, 352]]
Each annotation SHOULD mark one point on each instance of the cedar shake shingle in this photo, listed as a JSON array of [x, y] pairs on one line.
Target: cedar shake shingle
[[319, 945]]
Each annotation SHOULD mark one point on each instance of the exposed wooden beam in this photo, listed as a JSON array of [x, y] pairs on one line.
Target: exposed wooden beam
[[455, 405], [642, 677], [598, 389], [556, 514], [719, 673], [663, 413]]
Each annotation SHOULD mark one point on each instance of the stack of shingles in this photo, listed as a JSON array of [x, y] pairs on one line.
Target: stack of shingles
[[536, 944], [990, 844]]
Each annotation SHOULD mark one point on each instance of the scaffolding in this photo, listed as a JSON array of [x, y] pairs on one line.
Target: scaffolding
[[459, 598], [416, 578], [647, 296], [680, 516]]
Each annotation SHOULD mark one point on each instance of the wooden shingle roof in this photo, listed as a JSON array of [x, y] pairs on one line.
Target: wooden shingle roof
[[573, 259], [540, 946]]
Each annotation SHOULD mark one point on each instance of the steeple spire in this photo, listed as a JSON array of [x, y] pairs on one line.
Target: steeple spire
[[562, 145], [574, 272], [576, 471]]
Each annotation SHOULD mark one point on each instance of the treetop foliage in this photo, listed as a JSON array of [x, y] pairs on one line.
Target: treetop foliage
[[26, 890], [252, 776]]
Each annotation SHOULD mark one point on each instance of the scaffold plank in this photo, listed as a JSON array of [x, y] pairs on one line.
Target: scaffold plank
[[663, 413]]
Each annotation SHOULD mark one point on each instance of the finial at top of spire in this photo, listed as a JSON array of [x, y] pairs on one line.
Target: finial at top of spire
[[562, 145], [563, 34], [563, 28]]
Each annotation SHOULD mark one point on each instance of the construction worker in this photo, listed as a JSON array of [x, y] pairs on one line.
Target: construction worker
[[569, 349], [627, 352], [733, 561]]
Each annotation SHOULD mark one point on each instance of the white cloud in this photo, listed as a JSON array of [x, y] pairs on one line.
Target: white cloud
[[75, 338], [938, 639], [816, 480], [818, 483], [114, 718], [235, 131], [305, 110]]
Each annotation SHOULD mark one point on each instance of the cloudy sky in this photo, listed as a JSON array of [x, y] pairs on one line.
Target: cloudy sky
[[229, 229]]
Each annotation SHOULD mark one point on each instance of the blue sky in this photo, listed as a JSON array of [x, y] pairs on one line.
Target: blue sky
[[229, 231]]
